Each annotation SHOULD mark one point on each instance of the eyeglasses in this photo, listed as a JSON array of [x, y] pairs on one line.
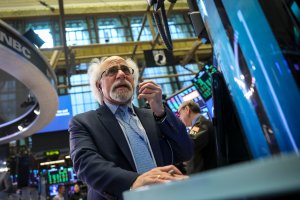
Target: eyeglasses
[[112, 71], [180, 110]]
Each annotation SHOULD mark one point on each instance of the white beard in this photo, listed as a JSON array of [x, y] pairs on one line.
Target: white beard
[[122, 96]]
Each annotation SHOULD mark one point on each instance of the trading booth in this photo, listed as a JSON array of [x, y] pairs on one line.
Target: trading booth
[[254, 103]]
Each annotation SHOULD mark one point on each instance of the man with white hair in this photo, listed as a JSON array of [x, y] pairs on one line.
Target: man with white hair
[[119, 146]]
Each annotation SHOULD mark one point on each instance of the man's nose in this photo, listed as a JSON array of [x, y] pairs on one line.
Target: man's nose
[[120, 74]]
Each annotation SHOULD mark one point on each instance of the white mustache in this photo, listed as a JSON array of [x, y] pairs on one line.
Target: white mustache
[[123, 83]]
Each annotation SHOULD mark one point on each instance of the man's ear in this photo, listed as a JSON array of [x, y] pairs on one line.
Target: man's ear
[[188, 110], [98, 85]]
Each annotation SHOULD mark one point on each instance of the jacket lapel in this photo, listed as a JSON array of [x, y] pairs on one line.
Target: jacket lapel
[[111, 125], [149, 125]]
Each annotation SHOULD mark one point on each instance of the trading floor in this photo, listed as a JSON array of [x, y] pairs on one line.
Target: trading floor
[[126, 99]]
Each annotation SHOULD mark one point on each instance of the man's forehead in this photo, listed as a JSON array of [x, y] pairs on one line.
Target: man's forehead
[[113, 61], [182, 106]]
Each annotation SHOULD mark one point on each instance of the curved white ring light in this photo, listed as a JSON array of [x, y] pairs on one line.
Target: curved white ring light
[[26, 64]]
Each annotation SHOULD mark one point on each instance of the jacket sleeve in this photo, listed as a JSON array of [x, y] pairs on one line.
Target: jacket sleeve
[[91, 167], [175, 132]]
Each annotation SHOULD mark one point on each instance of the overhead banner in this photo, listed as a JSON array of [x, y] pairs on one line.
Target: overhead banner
[[158, 57]]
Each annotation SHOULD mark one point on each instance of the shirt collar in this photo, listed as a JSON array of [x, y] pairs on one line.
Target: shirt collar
[[195, 119], [113, 108]]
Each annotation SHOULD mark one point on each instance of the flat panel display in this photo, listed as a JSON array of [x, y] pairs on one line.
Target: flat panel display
[[56, 176], [203, 81], [188, 93], [63, 116], [53, 189]]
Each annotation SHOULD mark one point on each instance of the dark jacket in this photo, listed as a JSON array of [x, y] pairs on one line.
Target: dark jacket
[[204, 147], [77, 196], [101, 155]]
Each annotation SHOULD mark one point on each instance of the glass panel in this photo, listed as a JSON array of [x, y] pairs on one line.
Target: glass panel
[[111, 30], [81, 96], [43, 29], [77, 33], [165, 83], [179, 28], [136, 24], [187, 79]]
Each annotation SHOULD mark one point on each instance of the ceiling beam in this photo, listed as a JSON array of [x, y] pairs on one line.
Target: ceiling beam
[[86, 53], [21, 10], [54, 58]]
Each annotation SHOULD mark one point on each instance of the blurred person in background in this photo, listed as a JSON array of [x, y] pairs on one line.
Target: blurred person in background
[[77, 193], [61, 192], [202, 133]]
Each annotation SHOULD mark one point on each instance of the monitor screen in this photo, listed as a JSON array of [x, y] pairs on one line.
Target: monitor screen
[[34, 178], [203, 81], [63, 116], [188, 93], [53, 189], [14, 179], [56, 176], [229, 135], [295, 8], [72, 175]]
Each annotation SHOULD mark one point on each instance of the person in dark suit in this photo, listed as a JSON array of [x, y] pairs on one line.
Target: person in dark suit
[[201, 132], [77, 195], [119, 146]]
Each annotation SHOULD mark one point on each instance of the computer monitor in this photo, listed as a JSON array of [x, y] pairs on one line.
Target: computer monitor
[[72, 175], [203, 81], [56, 176], [186, 94], [53, 189], [230, 140], [34, 178], [62, 117]]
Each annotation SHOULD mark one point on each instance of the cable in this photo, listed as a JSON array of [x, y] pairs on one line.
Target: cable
[[161, 21]]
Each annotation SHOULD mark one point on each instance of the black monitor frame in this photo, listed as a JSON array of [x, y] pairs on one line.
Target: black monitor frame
[[229, 136]]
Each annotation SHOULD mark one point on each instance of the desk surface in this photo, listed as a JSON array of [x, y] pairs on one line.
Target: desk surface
[[271, 176]]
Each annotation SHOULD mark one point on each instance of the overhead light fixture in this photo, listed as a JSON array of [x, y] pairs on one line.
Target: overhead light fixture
[[4, 169], [37, 112], [20, 128], [52, 162]]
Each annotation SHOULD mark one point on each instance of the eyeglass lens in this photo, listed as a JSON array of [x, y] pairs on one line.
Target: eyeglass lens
[[114, 70]]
